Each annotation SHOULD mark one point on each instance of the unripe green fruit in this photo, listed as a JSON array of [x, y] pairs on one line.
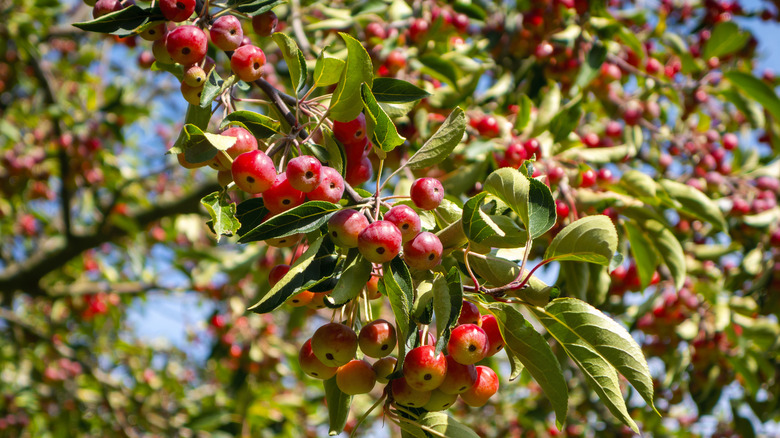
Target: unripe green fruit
[[440, 401], [383, 368], [334, 344], [160, 52], [191, 94], [408, 396], [284, 242], [194, 76], [356, 377]]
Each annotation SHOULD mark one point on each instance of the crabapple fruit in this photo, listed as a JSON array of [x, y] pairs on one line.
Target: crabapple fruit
[[490, 326], [380, 242], [334, 344], [484, 388], [187, 44], [424, 370], [300, 299], [177, 10], [284, 242], [423, 252], [331, 186], [276, 273], [440, 401], [345, 226], [265, 24], [469, 314], [247, 63], [356, 377], [282, 196], [427, 193], [253, 171], [352, 132], [406, 219], [377, 338], [312, 366], [155, 32], [404, 394], [304, 173], [226, 33], [194, 76], [383, 368], [459, 377]]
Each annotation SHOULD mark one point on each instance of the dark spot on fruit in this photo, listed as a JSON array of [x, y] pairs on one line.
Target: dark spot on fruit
[[405, 226], [310, 174], [286, 202], [427, 377], [250, 179], [436, 189], [329, 356], [462, 388], [185, 51], [380, 250], [445, 405], [180, 5], [335, 234], [256, 65], [472, 347], [314, 374], [432, 256], [333, 185], [152, 32], [499, 348], [385, 347], [295, 301], [232, 31]]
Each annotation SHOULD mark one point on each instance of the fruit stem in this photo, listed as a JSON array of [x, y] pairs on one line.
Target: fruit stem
[[378, 188], [468, 267]]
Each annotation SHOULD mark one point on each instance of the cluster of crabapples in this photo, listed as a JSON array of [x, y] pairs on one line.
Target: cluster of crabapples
[[428, 379], [187, 44]]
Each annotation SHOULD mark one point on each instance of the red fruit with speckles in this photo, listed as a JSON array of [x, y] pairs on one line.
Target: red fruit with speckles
[[360, 172], [186, 44], [459, 377], [484, 388], [245, 142], [377, 338], [424, 370], [561, 208], [405, 394], [331, 186], [345, 226], [587, 178], [469, 314], [468, 344], [488, 127], [312, 366], [276, 273], [423, 252], [253, 172], [265, 24], [427, 193], [103, 7], [406, 219], [282, 196], [515, 154], [155, 32], [334, 344], [226, 33], [247, 63], [352, 132], [356, 377], [490, 326], [380, 242], [177, 10], [304, 173]]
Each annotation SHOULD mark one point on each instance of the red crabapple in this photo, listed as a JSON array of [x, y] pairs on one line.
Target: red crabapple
[[587, 178], [468, 344], [372, 288], [427, 193], [253, 172], [345, 226], [155, 32], [359, 173], [383, 368], [352, 132], [380, 242], [356, 377], [406, 219], [377, 338], [488, 126], [515, 154], [490, 325], [282, 196], [561, 209], [730, 141], [312, 366], [265, 24], [226, 33], [103, 7], [483, 389], [331, 186], [423, 252], [245, 142], [469, 314], [404, 394], [276, 273], [300, 299], [424, 370], [177, 10], [187, 44], [459, 377], [334, 344], [318, 300], [247, 63], [591, 140], [304, 173]]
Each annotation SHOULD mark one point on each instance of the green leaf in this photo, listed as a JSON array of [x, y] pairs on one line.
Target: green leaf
[[726, 38], [301, 219], [495, 270], [437, 424], [174, 69], [293, 56], [196, 116], [250, 213], [530, 199], [327, 70], [565, 121], [592, 66], [397, 286], [198, 146], [338, 406], [315, 265], [259, 125], [336, 157], [542, 214], [222, 212], [757, 90], [492, 230], [591, 239], [441, 69], [551, 104], [643, 250], [535, 292], [346, 103], [396, 91], [695, 203], [525, 105], [447, 301], [384, 133], [639, 184], [254, 7], [668, 248], [530, 347], [442, 143], [601, 347], [351, 281], [122, 23], [598, 155]]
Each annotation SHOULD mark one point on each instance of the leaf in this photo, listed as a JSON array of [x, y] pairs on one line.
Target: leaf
[[530, 199], [542, 214], [639, 184], [397, 286], [695, 203], [397, 91], [259, 125], [296, 63], [494, 270], [530, 347], [601, 347], [196, 116], [598, 155], [437, 424], [384, 133], [301, 219], [124, 22], [535, 292], [440, 69], [213, 87], [591, 239], [250, 213], [592, 66], [447, 302], [222, 212], [524, 112], [346, 103], [327, 70], [492, 230], [757, 90], [442, 143], [315, 265], [669, 249], [726, 38], [338, 406], [254, 7], [643, 249], [351, 281], [336, 156], [565, 121], [551, 104]]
